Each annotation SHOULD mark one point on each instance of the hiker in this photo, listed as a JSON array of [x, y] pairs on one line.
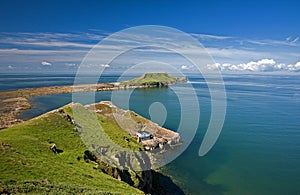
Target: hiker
[[53, 148]]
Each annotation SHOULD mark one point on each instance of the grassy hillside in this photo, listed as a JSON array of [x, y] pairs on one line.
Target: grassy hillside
[[153, 79], [28, 165], [86, 118]]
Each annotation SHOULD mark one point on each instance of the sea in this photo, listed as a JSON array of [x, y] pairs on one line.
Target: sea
[[257, 152]]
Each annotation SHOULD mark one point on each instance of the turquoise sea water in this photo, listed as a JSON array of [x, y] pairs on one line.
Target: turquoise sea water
[[258, 151]]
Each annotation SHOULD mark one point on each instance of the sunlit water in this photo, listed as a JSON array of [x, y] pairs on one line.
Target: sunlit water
[[258, 151]]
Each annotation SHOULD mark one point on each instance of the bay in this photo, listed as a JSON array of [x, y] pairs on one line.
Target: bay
[[258, 151]]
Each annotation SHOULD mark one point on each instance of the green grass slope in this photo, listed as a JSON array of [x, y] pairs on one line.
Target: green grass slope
[[153, 79], [27, 165]]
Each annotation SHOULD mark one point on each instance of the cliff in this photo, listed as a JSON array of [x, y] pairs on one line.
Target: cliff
[[113, 144]]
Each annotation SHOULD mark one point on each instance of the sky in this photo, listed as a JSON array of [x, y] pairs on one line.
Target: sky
[[55, 36]]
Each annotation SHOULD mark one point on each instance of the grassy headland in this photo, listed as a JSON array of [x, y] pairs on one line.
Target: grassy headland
[[29, 166]]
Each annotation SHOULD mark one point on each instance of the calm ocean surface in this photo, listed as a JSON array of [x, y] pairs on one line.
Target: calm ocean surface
[[258, 151]]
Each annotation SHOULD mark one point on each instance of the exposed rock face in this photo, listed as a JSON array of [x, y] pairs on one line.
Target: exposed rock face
[[130, 166], [147, 181]]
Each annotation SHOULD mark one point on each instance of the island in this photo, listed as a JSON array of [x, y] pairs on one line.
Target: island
[[14, 102]]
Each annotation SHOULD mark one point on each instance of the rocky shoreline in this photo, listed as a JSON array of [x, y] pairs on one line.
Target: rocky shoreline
[[133, 123], [10, 110]]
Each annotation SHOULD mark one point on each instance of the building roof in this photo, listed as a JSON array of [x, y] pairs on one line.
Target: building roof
[[143, 134]]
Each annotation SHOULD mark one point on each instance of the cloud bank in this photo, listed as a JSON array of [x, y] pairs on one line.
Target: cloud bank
[[263, 65], [65, 51]]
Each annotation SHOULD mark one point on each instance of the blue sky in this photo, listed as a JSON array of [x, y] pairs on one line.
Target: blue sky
[[240, 35]]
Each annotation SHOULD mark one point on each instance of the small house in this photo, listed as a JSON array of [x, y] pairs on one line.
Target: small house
[[143, 135]]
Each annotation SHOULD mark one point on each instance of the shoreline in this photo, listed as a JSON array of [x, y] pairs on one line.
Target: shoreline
[[14, 102]]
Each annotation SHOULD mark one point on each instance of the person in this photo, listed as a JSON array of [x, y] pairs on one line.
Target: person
[[53, 148]]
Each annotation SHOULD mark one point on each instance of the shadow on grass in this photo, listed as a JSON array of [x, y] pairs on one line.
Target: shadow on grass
[[58, 151]]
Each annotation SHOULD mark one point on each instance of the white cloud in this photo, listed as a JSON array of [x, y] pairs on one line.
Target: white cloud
[[53, 44], [15, 51], [184, 67], [67, 40], [105, 65], [207, 36], [233, 53], [68, 48], [270, 42], [293, 67], [263, 65], [46, 63], [288, 38], [70, 64], [295, 40], [10, 67]]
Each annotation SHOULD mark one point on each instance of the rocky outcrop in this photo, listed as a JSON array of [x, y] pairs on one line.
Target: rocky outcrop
[[131, 166], [149, 181], [132, 123], [10, 110]]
